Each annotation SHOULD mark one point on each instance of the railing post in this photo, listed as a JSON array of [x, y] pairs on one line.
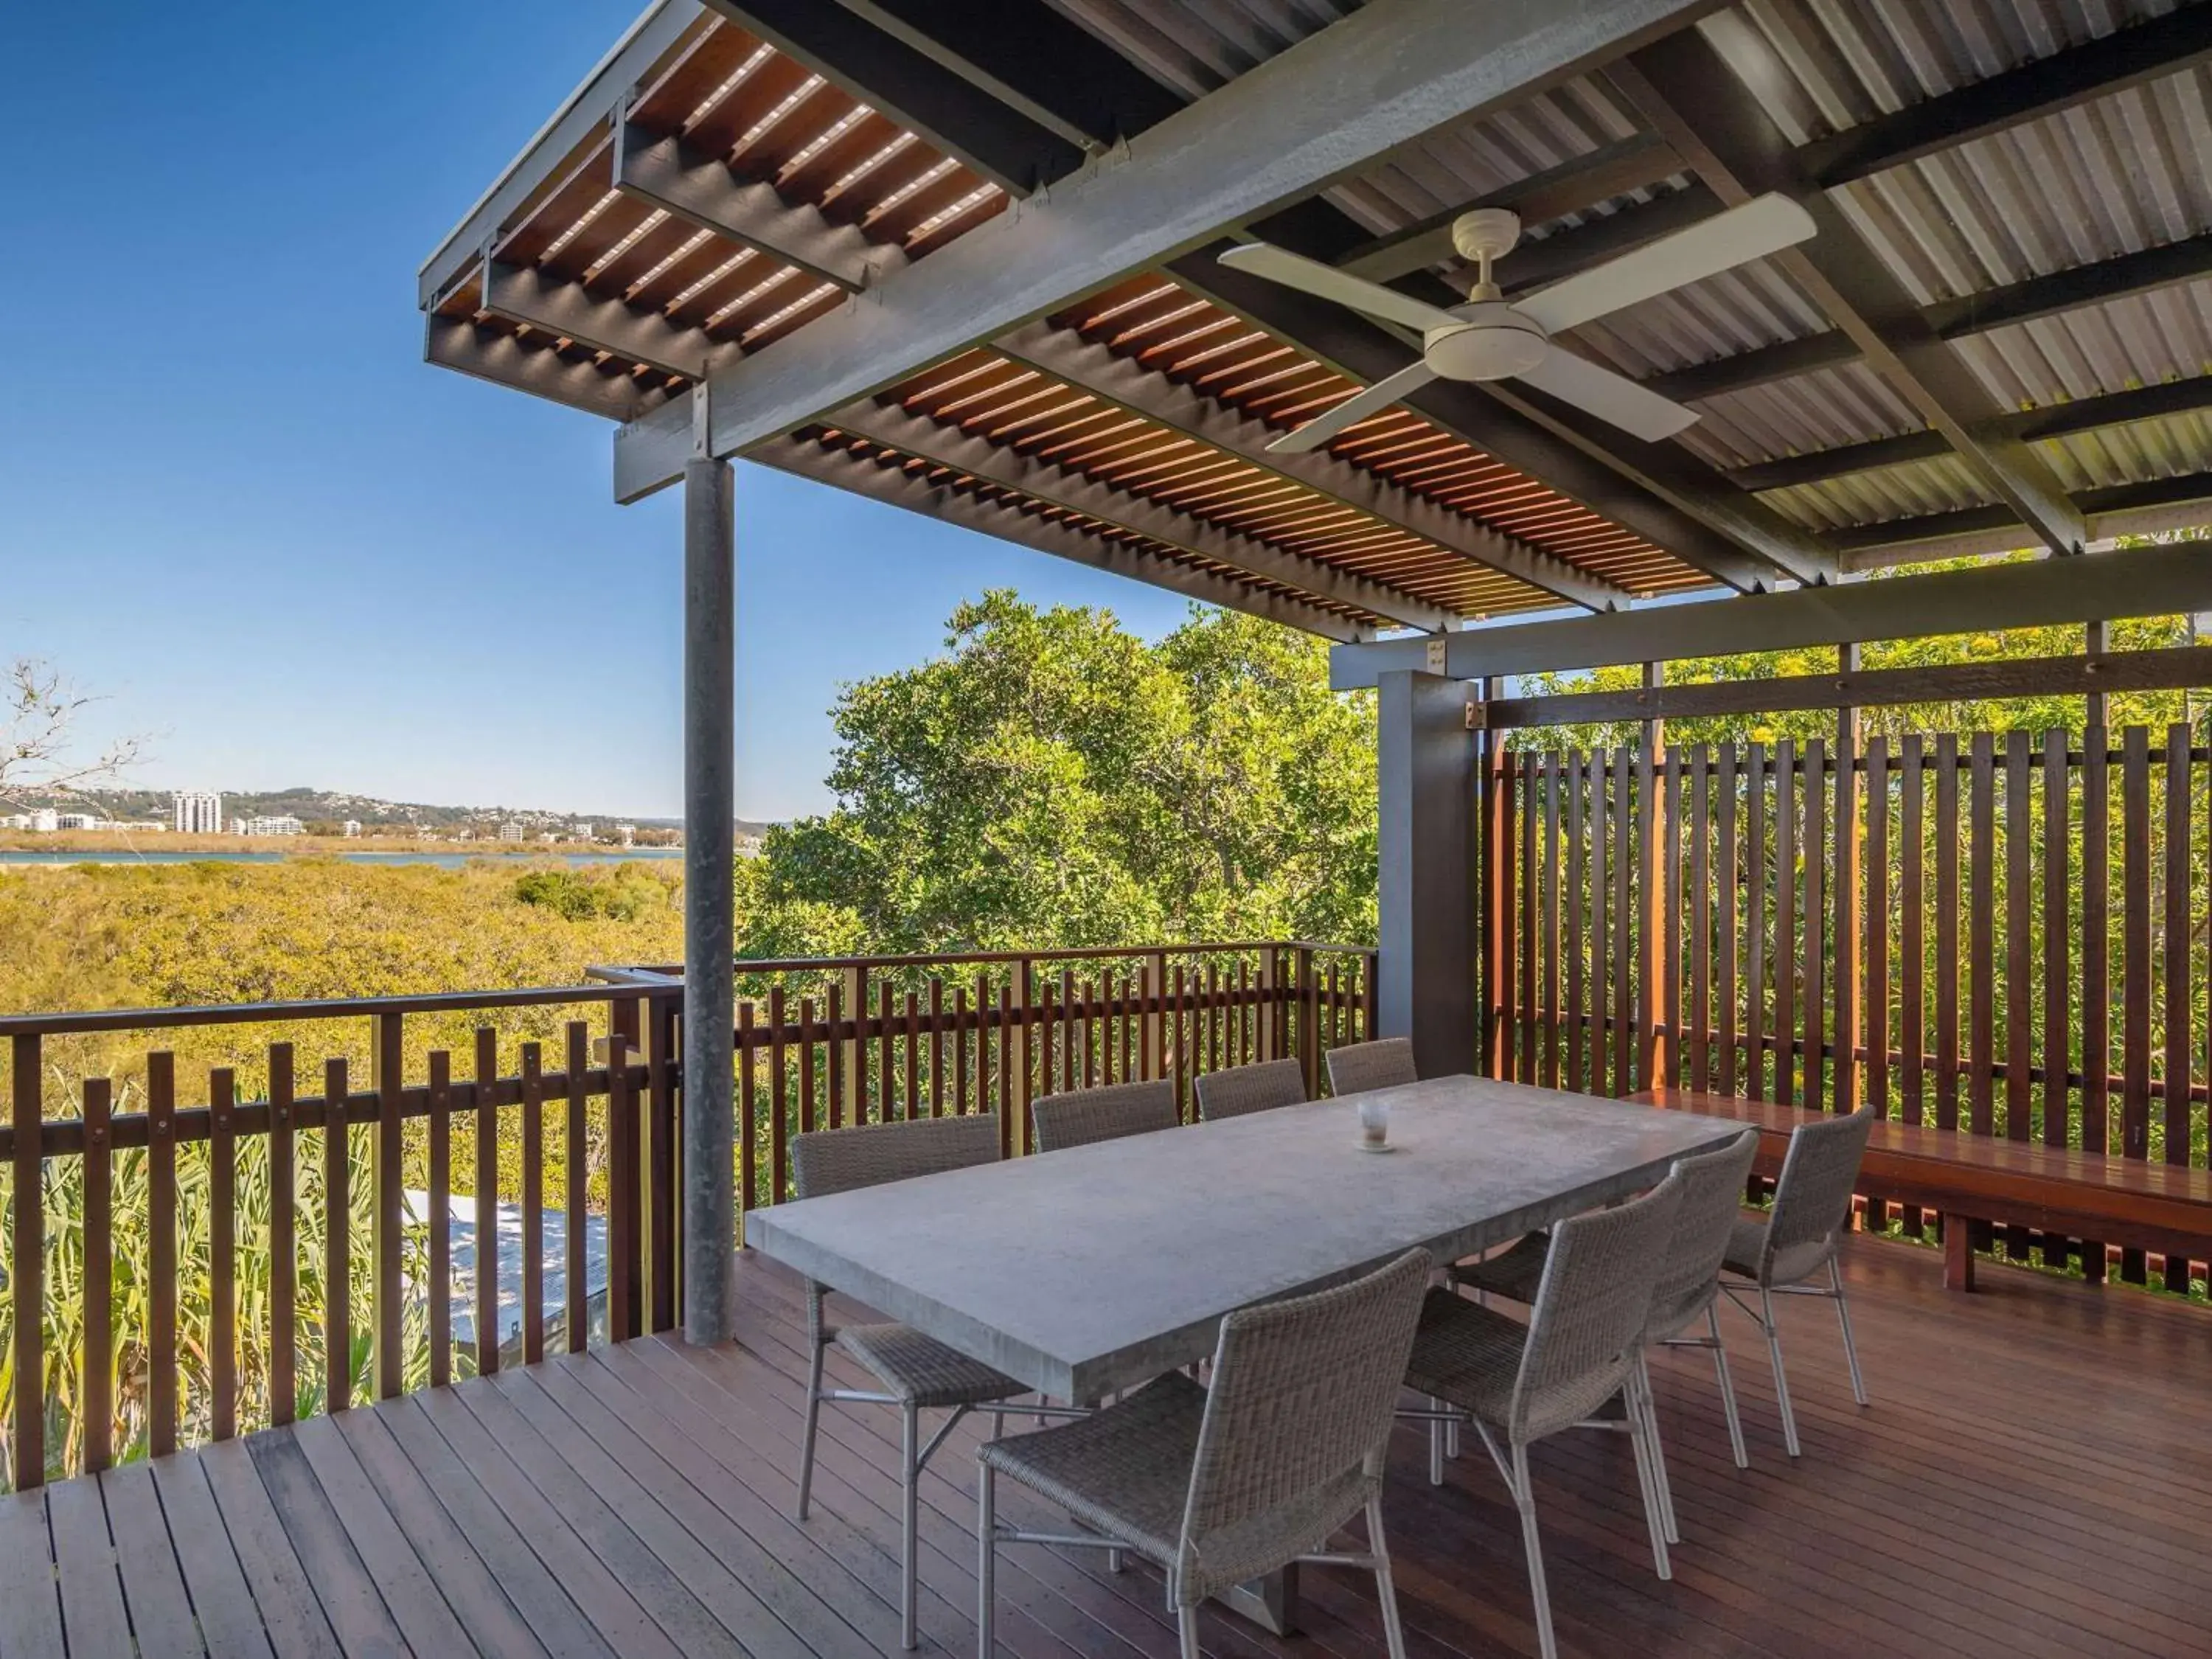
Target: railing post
[[27, 1276], [849, 1103], [385, 1230], [1657, 904], [1849, 997], [1153, 1061], [1269, 1031], [1309, 1020], [1014, 1136], [665, 1175]]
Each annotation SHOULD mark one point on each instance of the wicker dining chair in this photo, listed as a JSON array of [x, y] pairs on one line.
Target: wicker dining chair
[[917, 1371], [1799, 1237], [1385, 1063], [1686, 1294], [1081, 1116], [1257, 1088], [1581, 1347], [1219, 1485]]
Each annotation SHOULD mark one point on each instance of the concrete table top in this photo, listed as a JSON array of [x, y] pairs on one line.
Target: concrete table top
[[1091, 1269]]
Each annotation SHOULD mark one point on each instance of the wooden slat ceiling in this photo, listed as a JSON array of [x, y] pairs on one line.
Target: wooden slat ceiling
[[729, 95]]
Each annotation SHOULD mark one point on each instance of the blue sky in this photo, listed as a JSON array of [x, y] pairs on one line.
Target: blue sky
[[235, 502]]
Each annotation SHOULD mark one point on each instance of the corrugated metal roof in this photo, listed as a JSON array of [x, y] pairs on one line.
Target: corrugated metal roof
[[1196, 46]]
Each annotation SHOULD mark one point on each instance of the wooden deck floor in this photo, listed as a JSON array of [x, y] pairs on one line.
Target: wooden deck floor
[[2035, 1478]]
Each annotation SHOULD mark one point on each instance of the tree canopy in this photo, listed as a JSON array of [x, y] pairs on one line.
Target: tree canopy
[[1053, 779]]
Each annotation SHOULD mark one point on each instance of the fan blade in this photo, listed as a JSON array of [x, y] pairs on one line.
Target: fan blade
[[1358, 407], [1610, 397], [1296, 271], [1764, 225]]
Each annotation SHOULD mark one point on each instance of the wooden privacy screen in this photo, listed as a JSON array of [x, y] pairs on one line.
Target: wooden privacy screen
[[1999, 934], [198, 1265]]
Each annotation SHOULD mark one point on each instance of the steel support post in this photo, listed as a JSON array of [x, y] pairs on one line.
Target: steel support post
[[710, 895]]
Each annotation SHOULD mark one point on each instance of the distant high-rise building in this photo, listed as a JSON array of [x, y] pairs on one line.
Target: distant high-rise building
[[626, 834], [46, 821], [198, 811], [583, 832], [513, 829], [351, 829], [281, 824]]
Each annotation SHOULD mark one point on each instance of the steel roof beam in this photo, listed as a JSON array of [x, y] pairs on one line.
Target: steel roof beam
[[1632, 163], [913, 88], [701, 190], [569, 311], [590, 107], [2054, 421], [2104, 501], [1063, 540], [1045, 65], [1688, 92], [1705, 521], [456, 343], [2026, 301], [2128, 57], [1320, 112], [1074, 491], [2141, 581], [1067, 356]]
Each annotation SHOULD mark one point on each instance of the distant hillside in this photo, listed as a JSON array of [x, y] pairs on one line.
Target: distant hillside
[[331, 805]]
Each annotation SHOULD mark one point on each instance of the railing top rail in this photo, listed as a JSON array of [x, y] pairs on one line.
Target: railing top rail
[[662, 973], [254, 1013]]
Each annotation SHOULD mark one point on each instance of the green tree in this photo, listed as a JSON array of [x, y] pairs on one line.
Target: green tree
[[1053, 779]]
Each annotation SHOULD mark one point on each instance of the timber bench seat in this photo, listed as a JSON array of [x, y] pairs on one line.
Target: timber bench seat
[[1969, 1178]]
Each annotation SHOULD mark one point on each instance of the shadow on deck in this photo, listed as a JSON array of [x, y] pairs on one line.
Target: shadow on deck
[[2034, 1478]]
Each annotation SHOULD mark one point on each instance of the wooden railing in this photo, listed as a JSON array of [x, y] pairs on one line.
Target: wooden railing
[[284, 1241], [826, 1042], [2003, 935]]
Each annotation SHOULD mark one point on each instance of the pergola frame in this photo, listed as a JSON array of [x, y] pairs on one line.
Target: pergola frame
[[1068, 165]]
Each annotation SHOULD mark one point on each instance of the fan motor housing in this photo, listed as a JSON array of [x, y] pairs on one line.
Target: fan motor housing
[[1492, 342]]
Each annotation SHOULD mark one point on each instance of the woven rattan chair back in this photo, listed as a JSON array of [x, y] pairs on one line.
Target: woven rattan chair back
[[1385, 1063], [1298, 1416], [1243, 1089], [1084, 1115], [1812, 1200], [841, 1160], [1712, 1199], [1586, 1327]]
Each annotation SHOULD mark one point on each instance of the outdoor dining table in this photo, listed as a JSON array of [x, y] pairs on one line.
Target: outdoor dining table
[[1093, 1269]]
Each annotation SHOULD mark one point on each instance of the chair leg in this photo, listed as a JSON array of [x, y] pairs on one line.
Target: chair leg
[[1524, 1499], [813, 1423], [1661, 1484], [1386, 1590], [1187, 1633], [1644, 1440], [909, 1484], [1727, 1388], [1780, 1377], [987, 1558], [1436, 1443], [1844, 1318]]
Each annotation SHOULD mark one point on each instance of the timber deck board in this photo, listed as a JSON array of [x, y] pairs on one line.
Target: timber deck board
[[2029, 1481]]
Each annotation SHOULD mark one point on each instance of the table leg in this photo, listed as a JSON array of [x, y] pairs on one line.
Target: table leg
[[1270, 1603], [1958, 1253]]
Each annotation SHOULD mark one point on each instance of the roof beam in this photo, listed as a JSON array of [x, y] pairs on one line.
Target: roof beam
[[588, 109], [2104, 504], [1047, 66], [2140, 581], [915, 494], [567, 311], [2026, 301], [2126, 58], [701, 190], [912, 87], [1687, 91], [1631, 163], [1351, 345], [2055, 421], [1316, 113], [1067, 356], [490, 354], [1075, 492]]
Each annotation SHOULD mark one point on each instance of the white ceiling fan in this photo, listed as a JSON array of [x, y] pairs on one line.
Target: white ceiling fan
[[1492, 338]]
